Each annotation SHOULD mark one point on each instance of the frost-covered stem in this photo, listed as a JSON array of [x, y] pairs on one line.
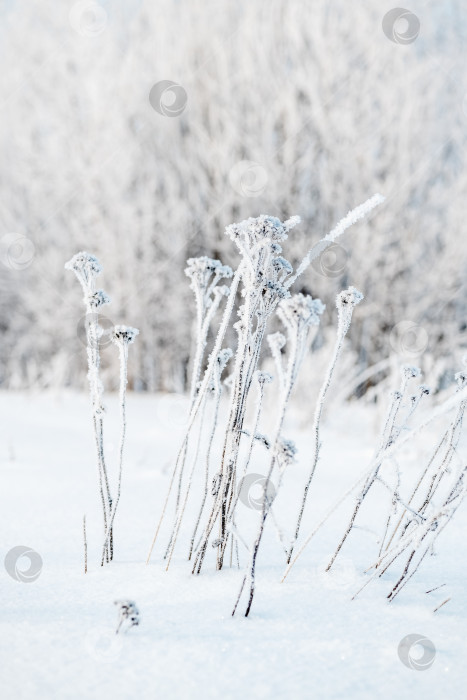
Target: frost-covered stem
[[203, 325], [123, 352], [346, 301], [351, 218], [197, 403], [316, 437], [417, 486], [390, 434], [85, 542], [231, 444], [453, 440], [98, 423], [206, 477], [178, 522], [452, 436], [386, 454], [201, 346], [287, 390], [254, 432]]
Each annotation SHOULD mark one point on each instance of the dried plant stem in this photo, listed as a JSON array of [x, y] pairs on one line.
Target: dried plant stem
[[85, 542], [123, 352], [316, 436], [441, 604], [204, 387]]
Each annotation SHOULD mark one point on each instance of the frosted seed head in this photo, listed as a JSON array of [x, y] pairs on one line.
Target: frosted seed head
[[277, 289], [302, 310], [83, 261], [86, 268], [276, 341], [461, 379], [263, 377], [97, 299], [348, 298], [282, 265], [410, 371], [223, 358], [287, 450], [264, 227], [122, 335]]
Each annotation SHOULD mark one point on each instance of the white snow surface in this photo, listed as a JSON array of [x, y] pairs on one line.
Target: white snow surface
[[304, 638]]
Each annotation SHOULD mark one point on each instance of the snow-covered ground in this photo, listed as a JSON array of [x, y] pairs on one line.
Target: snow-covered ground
[[305, 638]]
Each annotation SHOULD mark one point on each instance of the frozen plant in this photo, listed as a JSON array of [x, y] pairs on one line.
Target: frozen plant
[[86, 268], [298, 314], [128, 615], [259, 289], [122, 337], [346, 302]]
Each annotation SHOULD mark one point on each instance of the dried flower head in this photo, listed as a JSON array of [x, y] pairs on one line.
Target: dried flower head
[[301, 311], [253, 230], [201, 269], [286, 450], [410, 371], [124, 335], [348, 297], [346, 301], [97, 299], [86, 268], [263, 377], [127, 613]]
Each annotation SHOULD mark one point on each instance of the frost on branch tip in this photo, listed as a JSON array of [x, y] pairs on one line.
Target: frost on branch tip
[[286, 450], [263, 377], [346, 301], [97, 299], [301, 311], [85, 266], [461, 379], [128, 614], [200, 270], [254, 230], [124, 335], [410, 371]]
